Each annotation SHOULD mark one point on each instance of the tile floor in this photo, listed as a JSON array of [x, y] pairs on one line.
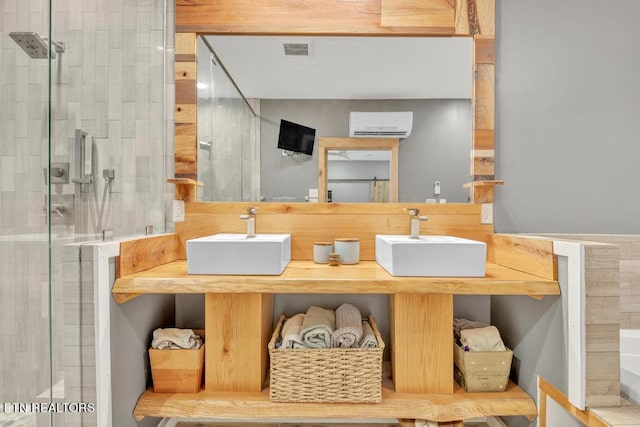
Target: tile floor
[[627, 415]]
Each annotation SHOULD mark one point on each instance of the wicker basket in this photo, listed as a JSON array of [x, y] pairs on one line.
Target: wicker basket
[[326, 375]]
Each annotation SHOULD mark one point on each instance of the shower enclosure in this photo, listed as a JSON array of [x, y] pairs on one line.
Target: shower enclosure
[[84, 131]]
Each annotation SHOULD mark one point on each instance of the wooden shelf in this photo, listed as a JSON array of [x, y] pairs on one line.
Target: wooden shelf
[[304, 277], [442, 408], [186, 188]]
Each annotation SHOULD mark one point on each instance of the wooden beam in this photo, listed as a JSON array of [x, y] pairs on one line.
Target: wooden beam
[[422, 322], [310, 17], [484, 97], [483, 139], [238, 330], [438, 15], [185, 115], [485, 49]]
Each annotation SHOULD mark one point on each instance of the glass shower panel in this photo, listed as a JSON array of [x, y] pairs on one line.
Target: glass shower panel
[[26, 304], [82, 149]]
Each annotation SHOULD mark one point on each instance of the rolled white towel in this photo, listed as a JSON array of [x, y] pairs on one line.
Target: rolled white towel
[[175, 338], [348, 326], [482, 339], [368, 337], [291, 332], [317, 327]]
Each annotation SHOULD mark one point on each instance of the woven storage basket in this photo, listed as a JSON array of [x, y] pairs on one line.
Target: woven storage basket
[[326, 375]]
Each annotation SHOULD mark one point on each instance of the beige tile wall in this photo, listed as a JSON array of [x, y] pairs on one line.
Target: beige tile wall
[[629, 250], [602, 317], [612, 280]]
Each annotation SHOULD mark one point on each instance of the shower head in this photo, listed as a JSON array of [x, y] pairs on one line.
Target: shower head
[[34, 45]]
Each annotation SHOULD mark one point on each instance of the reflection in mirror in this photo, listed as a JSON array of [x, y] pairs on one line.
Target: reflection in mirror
[[358, 176], [358, 74], [227, 138]]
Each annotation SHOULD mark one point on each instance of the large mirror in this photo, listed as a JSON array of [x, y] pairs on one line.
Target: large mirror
[[250, 83]]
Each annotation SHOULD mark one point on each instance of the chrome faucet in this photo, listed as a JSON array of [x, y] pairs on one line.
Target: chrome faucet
[[415, 222], [250, 216]]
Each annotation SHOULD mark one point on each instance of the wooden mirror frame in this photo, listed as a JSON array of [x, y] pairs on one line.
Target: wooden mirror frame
[[474, 18], [369, 144]]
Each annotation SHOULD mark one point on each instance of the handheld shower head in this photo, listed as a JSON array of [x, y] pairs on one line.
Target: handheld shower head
[[34, 45]]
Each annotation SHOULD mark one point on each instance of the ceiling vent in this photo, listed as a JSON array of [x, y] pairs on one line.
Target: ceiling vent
[[380, 124], [296, 49]]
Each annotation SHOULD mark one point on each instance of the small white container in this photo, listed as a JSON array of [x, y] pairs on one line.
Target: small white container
[[348, 249], [321, 251]]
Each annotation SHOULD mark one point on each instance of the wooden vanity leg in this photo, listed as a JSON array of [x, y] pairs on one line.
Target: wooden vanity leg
[[238, 329], [422, 343]]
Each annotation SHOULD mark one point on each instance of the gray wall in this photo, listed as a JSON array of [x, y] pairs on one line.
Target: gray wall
[[535, 331], [437, 150], [567, 116], [132, 325]]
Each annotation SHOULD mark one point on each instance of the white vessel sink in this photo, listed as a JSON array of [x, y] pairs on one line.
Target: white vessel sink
[[239, 254], [431, 256]]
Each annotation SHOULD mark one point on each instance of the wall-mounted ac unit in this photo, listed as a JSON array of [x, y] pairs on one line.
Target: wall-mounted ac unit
[[380, 124]]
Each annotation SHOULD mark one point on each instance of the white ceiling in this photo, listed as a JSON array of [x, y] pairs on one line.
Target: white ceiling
[[348, 67]]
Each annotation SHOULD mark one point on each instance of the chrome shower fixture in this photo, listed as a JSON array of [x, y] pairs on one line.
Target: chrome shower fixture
[[34, 45]]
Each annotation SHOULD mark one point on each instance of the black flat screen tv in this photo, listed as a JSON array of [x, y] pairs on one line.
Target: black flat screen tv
[[296, 138]]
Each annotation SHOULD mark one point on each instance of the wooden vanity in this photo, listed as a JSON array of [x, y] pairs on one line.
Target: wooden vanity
[[239, 314]]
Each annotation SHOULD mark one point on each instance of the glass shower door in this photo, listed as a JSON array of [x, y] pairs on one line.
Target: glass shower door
[[82, 150]]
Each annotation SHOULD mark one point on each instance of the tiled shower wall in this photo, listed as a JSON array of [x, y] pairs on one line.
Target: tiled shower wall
[[114, 81]]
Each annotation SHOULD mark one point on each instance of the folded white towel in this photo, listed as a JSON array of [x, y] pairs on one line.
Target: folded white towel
[[291, 332], [368, 337], [348, 326], [175, 338], [460, 324], [482, 339], [317, 327]]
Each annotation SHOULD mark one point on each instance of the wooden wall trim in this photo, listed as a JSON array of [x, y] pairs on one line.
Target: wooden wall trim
[[436, 15], [186, 109], [481, 24], [147, 252], [326, 17], [528, 254], [311, 222]]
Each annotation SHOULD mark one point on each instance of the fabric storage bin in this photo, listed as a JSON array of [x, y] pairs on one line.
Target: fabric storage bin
[[177, 370], [482, 371], [326, 375]]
